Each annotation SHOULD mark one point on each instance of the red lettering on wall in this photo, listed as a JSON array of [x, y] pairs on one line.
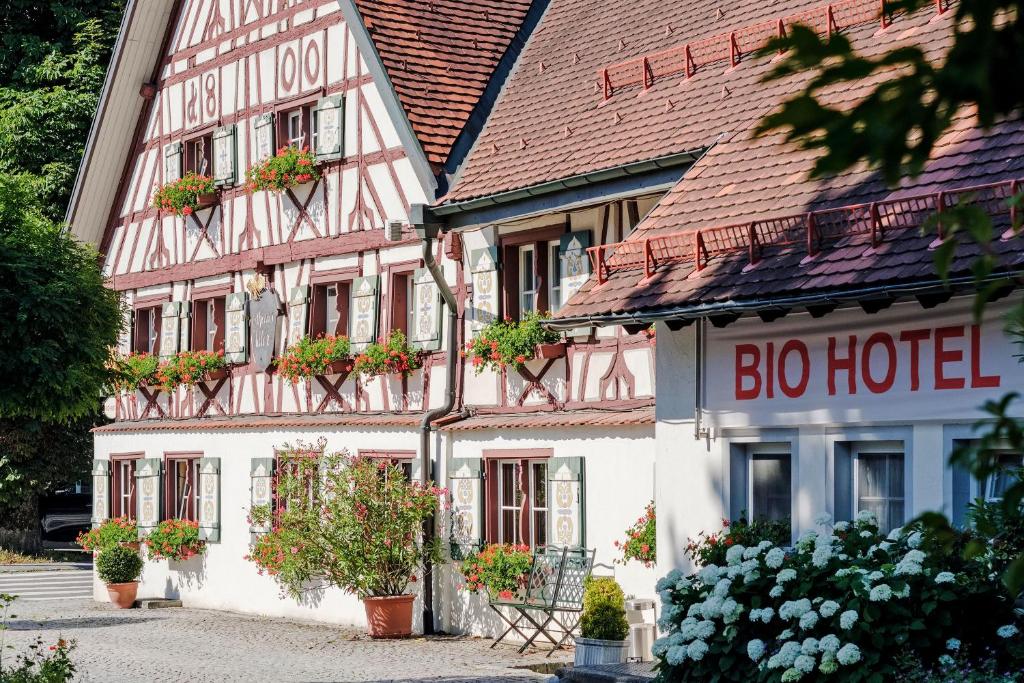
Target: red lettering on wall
[[915, 337], [944, 355], [769, 374], [849, 364], [746, 370], [794, 390], [886, 340], [979, 381]]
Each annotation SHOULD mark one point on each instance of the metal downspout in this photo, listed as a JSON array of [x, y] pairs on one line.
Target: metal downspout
[[431, 415]]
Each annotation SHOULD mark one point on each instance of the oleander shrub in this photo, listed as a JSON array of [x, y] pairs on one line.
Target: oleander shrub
[[604, 610], [118, 564], [849, 604]]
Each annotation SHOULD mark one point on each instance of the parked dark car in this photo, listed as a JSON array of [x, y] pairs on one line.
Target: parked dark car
[[64, 514]]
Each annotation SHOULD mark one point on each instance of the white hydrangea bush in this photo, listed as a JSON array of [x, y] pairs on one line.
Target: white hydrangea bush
[[847, 604]]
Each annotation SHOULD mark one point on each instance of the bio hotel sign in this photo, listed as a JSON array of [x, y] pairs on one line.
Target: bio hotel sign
[[902, 363]]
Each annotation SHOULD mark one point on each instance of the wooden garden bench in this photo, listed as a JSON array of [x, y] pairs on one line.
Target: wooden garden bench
[[553, 596]]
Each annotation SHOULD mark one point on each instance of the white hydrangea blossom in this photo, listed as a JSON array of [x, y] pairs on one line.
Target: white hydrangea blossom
[[866, 534], [712, 607], [774, 558], [945, 577], [914, 539], [790, 675], [845, 571], [946, 661], [841, 526], [755, 650], [808, 620], [848, 654], [809, 646], [824, 519], [705, 629], [895, 533], [807, 540], [789, 652], [767, 613], [875, 576], [829, 643], [734, 555], [751, 552], [710, 574], [785, 575], [786, 634], [880, 593], [822, 555], [666, 597], [695, 610], [722, 588], [731, 610], [1007, 631], [828, 608], [866, 517], [697, 649], [764, 545], [847, 619], [794, 609], [804, 664], [903, 592], [953, 644], [676, 655], [775, 592]]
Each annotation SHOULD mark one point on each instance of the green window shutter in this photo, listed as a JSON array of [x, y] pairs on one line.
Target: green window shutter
[[566, 502], [236, 348], [148, 494], [483, 264], [261, 489], [263, 134], [329, 122], [225, 156], [364, 308], [170, 329], [100, 491], [172, 162], [298, 309], [426, 312], [209, 499], [465, 477]]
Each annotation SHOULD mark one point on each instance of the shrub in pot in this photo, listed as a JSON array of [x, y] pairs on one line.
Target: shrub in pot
[[603, 625], [119, 567], [352, 522]]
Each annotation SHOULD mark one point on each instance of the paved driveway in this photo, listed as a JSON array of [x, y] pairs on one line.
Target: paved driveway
[[179, 644]]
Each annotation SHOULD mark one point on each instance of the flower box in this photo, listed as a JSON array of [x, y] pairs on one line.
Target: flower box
[[216, 374], [206, 200], [549, 351], [339, 367]]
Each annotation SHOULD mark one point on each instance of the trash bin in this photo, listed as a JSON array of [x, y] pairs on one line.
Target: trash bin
[[641, 633]]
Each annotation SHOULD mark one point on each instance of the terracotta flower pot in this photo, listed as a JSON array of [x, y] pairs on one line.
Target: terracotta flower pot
[[122, 595], [340, 366], [548, 351], [389, 617]]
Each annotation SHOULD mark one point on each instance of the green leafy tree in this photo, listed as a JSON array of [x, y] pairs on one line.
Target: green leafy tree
[[894, 129]]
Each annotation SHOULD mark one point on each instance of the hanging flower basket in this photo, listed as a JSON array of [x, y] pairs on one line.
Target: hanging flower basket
[[186, 195], [310, 357], [291, 166], [391, 356]]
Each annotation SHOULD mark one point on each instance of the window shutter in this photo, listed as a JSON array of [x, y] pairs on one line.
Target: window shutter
[[172, 162], [510, 282], [225, 154], [209, 499], [365, 304], [100, 491], [738, 483], [298, 307], [466, 486], [236, 319], [170, 329], [329, 117], [566, 501], [483, 264], [575, 263], [263, 132], [843, 484], [261, 490], [148, 494], [426, 332]]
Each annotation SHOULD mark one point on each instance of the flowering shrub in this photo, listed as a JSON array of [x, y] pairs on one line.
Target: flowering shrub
[[182, 196], [393, 355], [110, 533], [189, 367], [175, 539], [501, 570], [128, 372], [848, 604], [711, 548], [641, 539], [289, 167], [310, 357], [346, 521], [508, 342]]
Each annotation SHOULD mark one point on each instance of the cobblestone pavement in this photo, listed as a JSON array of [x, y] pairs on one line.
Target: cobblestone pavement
[[179, 644]]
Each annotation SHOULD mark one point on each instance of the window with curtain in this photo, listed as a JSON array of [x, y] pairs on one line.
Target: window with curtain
[[771, 486], [182, 487], [522, 502], [880, 488], [1010, 464]]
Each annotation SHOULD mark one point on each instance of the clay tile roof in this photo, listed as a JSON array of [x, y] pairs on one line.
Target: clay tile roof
[[574, 418], [747, 183], [440, 55]]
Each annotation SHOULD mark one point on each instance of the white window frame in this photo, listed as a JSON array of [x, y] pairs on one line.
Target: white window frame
[[191, 486], [195, 146], [775, 448], [530, 493], [331, 302], [554, 275], [989, 491], [295, 115], [860, 448], [127, 475], [314, 116], [523, 274], [211, 324]]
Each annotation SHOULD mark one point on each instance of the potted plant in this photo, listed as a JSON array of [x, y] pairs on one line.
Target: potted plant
[[129, 372], [603, 625], [185, 195], [110, 533], [511, 343], [315, 357], [175, 539], [393, 355], [190, 367], [352, 522], [291, 166], [119, 568], [500, 569], [641, 539]]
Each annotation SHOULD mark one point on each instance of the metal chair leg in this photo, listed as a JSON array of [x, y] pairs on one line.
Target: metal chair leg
[[512, 625]]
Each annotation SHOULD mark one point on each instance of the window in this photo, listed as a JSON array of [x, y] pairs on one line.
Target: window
[[770, 486], [401, 303], [520, 501], [208, 324], [403, 460], [147, 330], [303, 473], [182, 487], [554, 275], [1010, 464], [294, 128], [527, 281], [531, 272], [879, 486], [197, 154], [122, 484], [329, 309]]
